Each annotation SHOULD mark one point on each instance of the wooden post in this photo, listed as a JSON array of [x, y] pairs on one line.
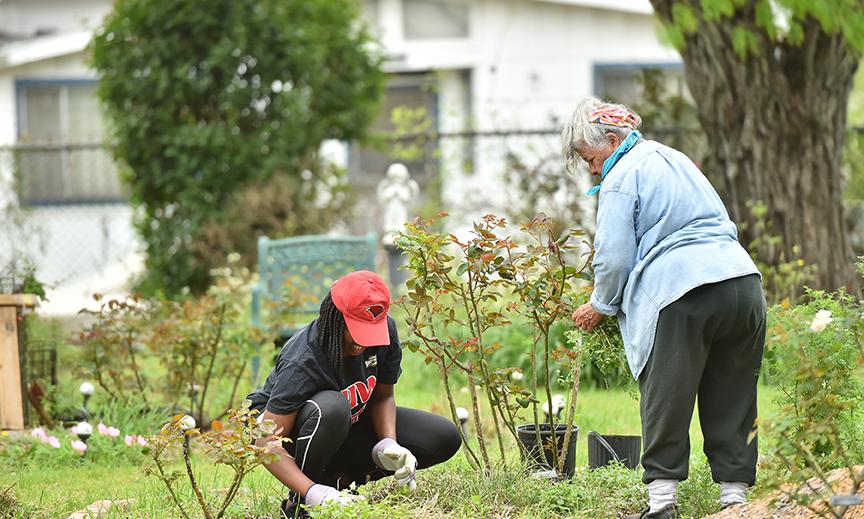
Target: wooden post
[[11, 395]]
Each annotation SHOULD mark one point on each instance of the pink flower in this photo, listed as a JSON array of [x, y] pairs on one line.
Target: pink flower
[[129, 440], [54, 442], [103, 430], [113, 432], [39, 433], [142, 441], [79, 446]]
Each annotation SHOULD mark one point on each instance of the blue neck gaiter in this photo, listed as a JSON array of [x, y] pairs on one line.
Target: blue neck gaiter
[[613, 159]]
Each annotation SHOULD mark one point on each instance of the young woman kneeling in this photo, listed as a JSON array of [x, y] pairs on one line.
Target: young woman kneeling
[[331, 393]]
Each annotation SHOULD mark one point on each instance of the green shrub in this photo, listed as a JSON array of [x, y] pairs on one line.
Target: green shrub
[[206, 97], [161, 354], [815, 360]]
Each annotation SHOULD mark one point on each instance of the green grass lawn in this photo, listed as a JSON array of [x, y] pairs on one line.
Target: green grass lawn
[[449, 489], [452, 489]]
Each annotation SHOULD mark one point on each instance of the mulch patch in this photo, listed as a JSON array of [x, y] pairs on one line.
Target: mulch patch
[[779, 505]]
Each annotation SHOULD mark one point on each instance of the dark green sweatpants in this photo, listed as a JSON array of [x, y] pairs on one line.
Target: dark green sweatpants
[[708, 344]]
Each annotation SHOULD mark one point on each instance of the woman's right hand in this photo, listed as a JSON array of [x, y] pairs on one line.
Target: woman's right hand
[[320, 494], [586, 318]]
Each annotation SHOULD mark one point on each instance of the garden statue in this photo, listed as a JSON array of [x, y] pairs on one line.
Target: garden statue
[[395, 193]]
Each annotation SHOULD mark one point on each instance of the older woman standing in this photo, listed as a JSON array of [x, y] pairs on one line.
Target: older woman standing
[[687, 296]]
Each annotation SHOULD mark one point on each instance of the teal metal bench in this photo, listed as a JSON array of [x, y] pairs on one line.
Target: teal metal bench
[[305, 265]]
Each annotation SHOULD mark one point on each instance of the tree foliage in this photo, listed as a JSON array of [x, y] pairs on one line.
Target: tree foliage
[[207, 97], [771, 81], [760, 24]]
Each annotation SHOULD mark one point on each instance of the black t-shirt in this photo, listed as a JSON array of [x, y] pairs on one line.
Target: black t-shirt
[[302, 370]]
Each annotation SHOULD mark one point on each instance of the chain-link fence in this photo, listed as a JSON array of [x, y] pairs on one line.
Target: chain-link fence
[[514, 173], [71, 219], [63, 210]]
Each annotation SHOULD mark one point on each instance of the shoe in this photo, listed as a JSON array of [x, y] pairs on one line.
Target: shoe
[[291, 510], [667, 512]]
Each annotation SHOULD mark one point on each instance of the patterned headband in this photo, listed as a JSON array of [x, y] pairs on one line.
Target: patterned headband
[[606, 114]]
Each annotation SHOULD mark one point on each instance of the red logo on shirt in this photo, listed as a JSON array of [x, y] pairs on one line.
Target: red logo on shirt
[[359, 393]]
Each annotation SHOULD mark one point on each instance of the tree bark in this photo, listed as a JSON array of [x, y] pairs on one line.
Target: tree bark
[[776, 125]]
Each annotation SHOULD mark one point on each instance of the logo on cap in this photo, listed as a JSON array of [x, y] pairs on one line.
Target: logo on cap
[[375, 310]]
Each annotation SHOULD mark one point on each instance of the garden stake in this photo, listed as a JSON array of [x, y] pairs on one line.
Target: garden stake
[[472, 388], [86, 389], [204, 507], [469, 452]]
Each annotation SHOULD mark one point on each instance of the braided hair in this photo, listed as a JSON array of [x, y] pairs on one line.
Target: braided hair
[[331, 328]]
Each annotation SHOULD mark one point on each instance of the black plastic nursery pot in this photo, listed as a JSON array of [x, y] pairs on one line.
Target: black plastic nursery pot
[[528, 438], [603, 449]]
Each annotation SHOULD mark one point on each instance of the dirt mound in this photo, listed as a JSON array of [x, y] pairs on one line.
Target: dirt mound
[[779, 504]]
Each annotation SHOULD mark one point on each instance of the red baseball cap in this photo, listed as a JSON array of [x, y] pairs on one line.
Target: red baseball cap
[[364, 299]]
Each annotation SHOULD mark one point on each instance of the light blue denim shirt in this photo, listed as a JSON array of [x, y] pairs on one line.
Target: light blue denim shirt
[[662, 230]]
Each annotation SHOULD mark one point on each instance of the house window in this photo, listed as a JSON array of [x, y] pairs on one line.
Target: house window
[[61, 157], [624, 83], [433, 19], [409, 110]]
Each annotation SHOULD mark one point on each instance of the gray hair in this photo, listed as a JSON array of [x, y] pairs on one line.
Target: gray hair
[[582, 131]]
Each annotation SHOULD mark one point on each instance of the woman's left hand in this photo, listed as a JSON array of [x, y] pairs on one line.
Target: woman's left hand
[[586, 317]]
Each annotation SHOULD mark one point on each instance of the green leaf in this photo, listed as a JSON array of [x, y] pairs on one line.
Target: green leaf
[[765, 18], [744, 42], [714, 10], [684, 18]]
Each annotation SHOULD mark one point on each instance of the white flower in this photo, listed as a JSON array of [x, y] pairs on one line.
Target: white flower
[[86, 388], [187, 422], [556, 405], [79, 446], [234, 257], [517, 375], [821, 320], [83, 429], [462, 414]]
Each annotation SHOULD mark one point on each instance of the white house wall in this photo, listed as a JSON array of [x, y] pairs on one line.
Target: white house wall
[[528, 63], [77, 249], [24, 17]]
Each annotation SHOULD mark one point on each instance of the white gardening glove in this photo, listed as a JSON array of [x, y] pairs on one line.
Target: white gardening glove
[[391, 456], [321, 494]]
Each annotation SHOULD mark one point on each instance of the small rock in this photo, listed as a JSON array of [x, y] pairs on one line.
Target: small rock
[[100, 508]]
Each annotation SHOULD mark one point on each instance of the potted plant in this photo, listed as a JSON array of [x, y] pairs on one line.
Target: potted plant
[[543, 285], [460, 289]]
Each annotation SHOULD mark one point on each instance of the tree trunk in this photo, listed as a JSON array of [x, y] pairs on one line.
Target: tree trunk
[[776, 124]]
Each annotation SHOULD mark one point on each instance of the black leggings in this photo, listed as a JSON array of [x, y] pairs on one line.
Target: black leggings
[[332, 451]]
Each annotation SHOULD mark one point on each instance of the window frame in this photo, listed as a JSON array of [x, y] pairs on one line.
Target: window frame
[[415, 39], [636, 67], [21, 86]]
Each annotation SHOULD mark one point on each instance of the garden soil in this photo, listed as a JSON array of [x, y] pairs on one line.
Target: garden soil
[[779, 505]]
